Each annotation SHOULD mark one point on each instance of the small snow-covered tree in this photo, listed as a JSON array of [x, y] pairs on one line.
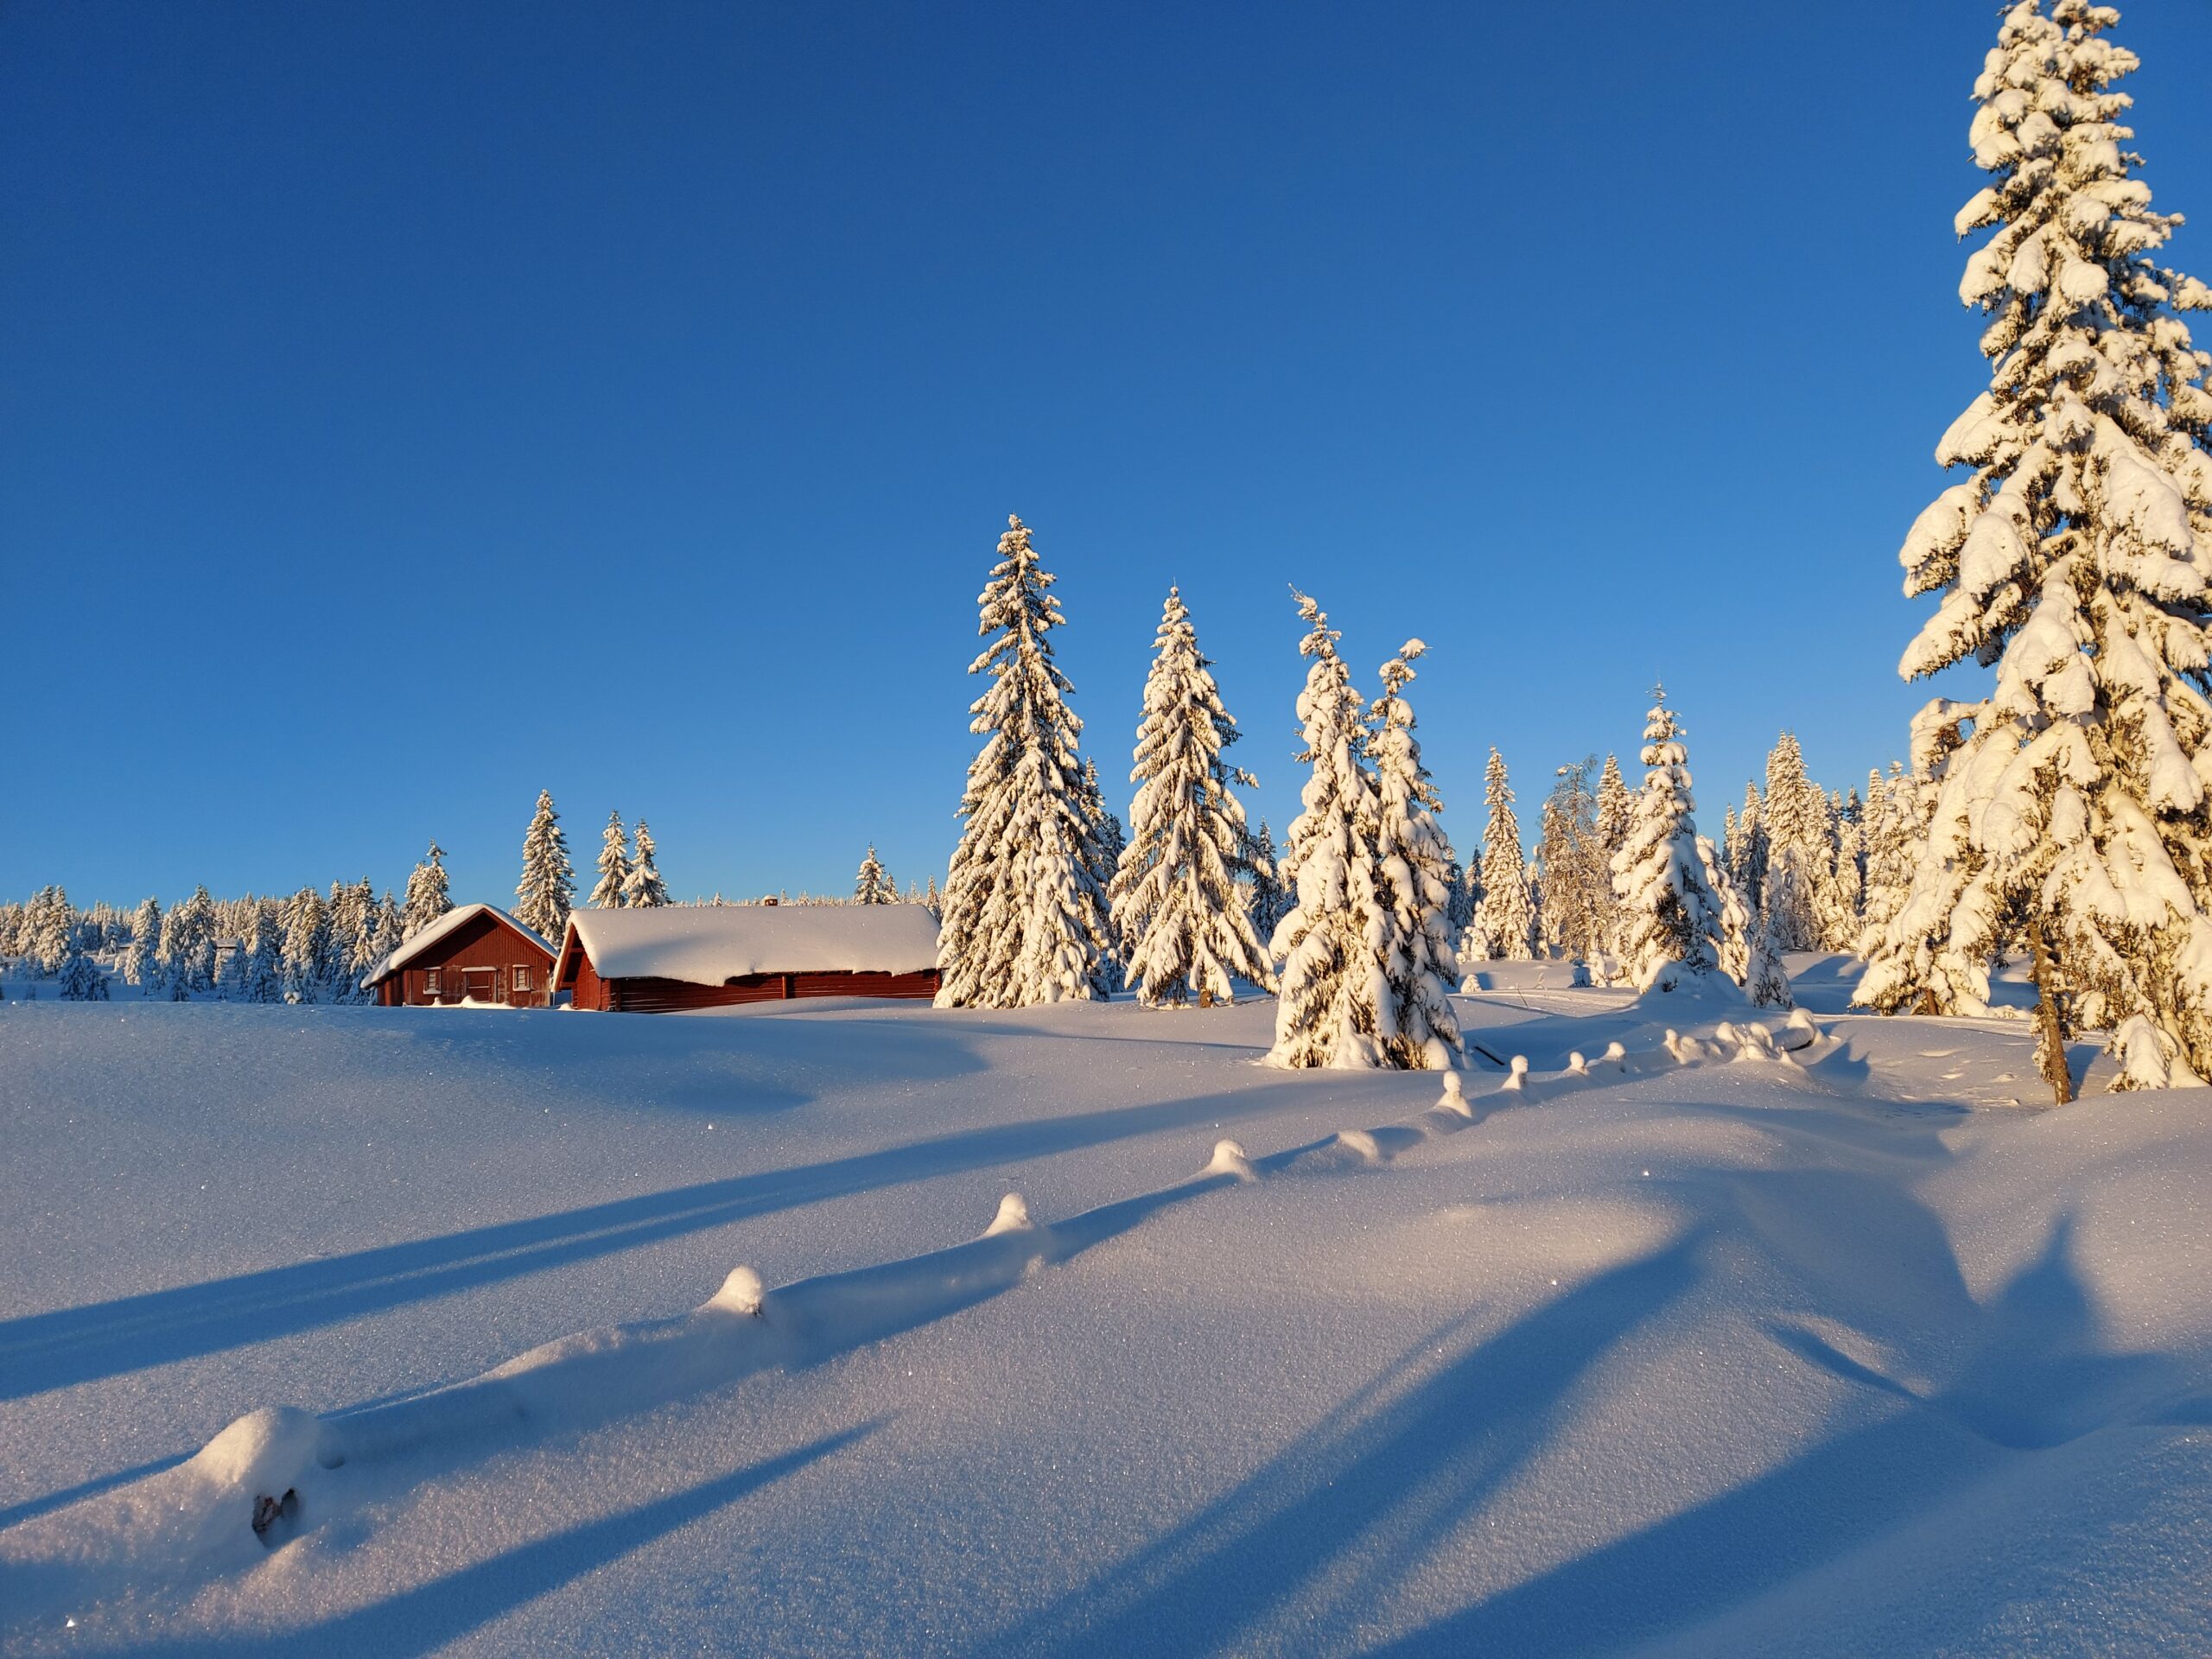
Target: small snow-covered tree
[[53, 931], [547, 890], [78, 978], [1023, 912], [1418, 1028], [354, 929], [613, 866], [2072, 815], [1184, 930], [1840, 900], [871, 885], [142, 962], [1505, 921], [427, 895], [261, 953], [1108, 838], [1672, 915], [391, 927], [643, 889], [1328, 1006], [1895, 834]]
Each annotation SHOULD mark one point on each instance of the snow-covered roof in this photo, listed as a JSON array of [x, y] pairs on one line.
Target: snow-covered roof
[[711, 944], [452, 920]]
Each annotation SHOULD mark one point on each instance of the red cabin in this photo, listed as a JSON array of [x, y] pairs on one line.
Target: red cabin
[[477, 954], [676, 957]]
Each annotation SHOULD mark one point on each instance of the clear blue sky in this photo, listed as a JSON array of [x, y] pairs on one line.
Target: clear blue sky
[[406, 406]]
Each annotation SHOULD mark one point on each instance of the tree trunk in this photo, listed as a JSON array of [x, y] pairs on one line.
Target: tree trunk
[[2051, 1042]]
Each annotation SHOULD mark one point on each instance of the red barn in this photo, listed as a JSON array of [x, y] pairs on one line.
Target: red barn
[[477, 954], [676, 956]]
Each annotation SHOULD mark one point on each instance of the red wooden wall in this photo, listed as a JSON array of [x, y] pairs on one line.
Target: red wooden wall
[[483, 942]]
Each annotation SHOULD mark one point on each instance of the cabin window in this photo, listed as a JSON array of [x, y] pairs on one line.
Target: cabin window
[[431, 985], [521, 976]]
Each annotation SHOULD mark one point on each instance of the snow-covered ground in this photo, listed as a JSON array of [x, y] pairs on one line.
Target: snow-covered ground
[[1709, 1351]]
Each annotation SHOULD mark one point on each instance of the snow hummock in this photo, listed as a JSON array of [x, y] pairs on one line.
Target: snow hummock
[[711, 944]]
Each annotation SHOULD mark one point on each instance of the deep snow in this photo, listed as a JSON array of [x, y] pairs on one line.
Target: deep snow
[[1823, 1351]]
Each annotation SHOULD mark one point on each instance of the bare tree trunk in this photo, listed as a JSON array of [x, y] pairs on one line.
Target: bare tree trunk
[[2050, 1039]]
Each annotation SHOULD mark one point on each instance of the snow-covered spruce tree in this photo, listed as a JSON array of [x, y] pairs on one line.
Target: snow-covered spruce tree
[[644, 890], [1577, 905], [1270, 901], [53, 930], [307, 946], [1894, 837], [1024, 912], [1418, 1030], [1790, 826], [1184, 930], [391, 927], [1747, 847], [358, 921], [547, 890], [1328, 1007], [1108, 838], [78, 977], [261, 950], [871, 885], [1672, 915], [188, 947], [2072, 817], [1505, 920], [142, 962], [427, 895], [1731, 941], [613, 866], [1840, 900]]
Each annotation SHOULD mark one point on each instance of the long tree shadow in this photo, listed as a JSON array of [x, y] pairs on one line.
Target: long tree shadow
[[1366, 1495], [2035, 1380], [427, 1617], [43, 1352]]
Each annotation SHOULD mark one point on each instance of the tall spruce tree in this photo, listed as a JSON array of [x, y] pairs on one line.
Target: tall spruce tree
[[1024, 914], [142, 962], [1270, 900], [1418, 1028], [547, 890], [428, 894], [2072, 817], [643, 889], [306, 947], [613, 866], [1673, 915], [1791, 829], [1185, 933], [1332, 992], [1505, 921], [1578, 885]]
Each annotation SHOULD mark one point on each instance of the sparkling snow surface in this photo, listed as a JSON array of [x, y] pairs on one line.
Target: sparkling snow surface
[[1721, 1347], [707, 944]]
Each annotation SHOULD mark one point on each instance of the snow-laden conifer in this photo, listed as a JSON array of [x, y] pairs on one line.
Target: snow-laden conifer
[[1184, 930], [547, 890], [871, 885], [391, 927], [1671, 913], [260, 952], [428, 894], [1894, 837], [1270, 901], [357, 921], [188, 947], [2072, 815], [1839, 898], [613, 866], [1108, 838], [1747, 848], [142, 962], [1024, 912], [1332, 987], [307, 946], [1505, 921], [1791, 832], [1418, 1028], [643, 889], [1577, 904]]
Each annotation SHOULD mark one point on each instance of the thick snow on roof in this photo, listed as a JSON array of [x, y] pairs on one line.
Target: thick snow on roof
[[447, 923], [708, 945]]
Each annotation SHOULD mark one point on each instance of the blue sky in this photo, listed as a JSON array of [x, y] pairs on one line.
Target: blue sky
[[405, 407]]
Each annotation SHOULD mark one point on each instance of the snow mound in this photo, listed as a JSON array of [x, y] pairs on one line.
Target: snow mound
[[1013, 1216], [741, 1293], [1230, 1159]]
